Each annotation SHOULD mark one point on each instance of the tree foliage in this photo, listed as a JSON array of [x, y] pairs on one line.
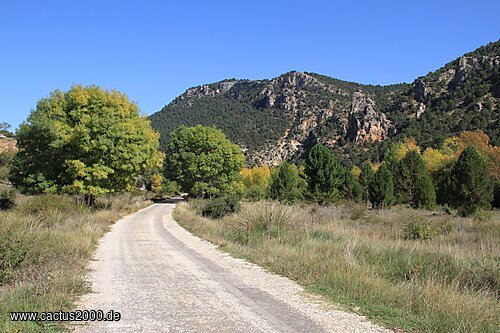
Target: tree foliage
[[409, 170], [481, 142], [87, 141], [365, 178], [351, 189], [284, 184], [204, 162], [435, 159], [256, 181], [382, 188], [473, 188], [4, 129], [402, 148], [324, 175], [425, 193]]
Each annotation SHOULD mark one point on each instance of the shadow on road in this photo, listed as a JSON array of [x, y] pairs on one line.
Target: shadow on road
[[168, 200]]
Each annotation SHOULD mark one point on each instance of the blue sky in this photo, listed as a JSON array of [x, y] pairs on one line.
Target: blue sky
[[154, 50]]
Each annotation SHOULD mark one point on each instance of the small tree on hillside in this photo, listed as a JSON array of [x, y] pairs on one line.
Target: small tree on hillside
[[381, 188], [472, 184], [425, 193], [4, 126], [365, 178], [284, 184], [324, 174]]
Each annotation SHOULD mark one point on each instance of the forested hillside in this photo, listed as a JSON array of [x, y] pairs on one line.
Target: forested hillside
[[281, 118]]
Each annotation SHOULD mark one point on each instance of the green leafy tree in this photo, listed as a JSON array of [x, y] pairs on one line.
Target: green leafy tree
[[4, 126], [87, 141], [204, 162], [284, 184], [472, 185], [409, 171], [365, 178], [324, 174], [4, 129], [351, 189], [382, 188], [425, 193]]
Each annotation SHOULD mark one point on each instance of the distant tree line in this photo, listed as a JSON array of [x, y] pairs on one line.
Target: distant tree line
[[463, 173]]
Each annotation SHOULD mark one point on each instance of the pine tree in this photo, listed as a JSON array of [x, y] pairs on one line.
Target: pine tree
[[496, 195], [324, 173], [425, 193], [444, 184], [365, 178], [472, 184], [381, 188], [284, 184], [351, 190], [409, 171]]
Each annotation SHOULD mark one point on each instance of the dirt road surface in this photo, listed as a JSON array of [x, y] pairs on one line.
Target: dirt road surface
[[161, 278]]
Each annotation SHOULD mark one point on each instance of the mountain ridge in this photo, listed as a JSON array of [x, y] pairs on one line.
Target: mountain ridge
[[280, 118]]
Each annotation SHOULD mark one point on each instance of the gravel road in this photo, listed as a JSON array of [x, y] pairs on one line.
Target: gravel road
[[161, 278]]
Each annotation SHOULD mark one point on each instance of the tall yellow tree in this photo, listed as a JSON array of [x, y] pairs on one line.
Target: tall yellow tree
[[435, 159], [481, 141], [403, 147], [256, 181]]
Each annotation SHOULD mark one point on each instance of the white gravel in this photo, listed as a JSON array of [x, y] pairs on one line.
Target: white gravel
[[161, 278]]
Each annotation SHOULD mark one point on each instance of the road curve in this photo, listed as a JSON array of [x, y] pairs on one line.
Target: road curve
[[161, 278]]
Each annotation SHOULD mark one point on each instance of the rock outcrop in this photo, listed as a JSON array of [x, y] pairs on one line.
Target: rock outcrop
[[364, 123], [294, 95]]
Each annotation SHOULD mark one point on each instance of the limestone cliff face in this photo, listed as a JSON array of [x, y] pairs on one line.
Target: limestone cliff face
[[312, 106], [365, 124]]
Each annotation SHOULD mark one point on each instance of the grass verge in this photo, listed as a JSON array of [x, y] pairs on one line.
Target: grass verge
[[407, 269], [46, 242]]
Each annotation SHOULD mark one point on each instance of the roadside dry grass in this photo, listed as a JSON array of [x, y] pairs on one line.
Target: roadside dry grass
[[414, 270], [45, 245]]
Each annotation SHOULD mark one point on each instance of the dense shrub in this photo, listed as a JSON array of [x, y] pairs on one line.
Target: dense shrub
[[482, 216], [419, 228], [169, 188], [13, 247], [355, 211], [7, 198], [219, 207]]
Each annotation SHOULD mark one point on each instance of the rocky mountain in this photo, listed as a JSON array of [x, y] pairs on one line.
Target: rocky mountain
[[278, 119]]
